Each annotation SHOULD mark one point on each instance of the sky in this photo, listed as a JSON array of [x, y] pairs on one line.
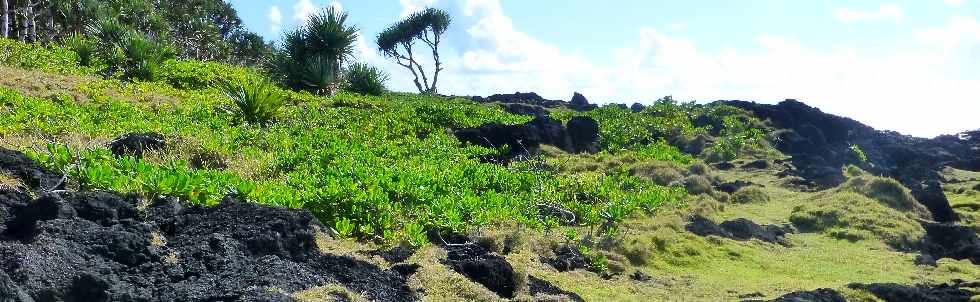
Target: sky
[[908, 66]]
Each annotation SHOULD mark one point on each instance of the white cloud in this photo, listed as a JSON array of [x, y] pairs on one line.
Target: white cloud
[[885, 12], [303, 9], [953, 2], [411, 6], [275, 19], [925, 87]]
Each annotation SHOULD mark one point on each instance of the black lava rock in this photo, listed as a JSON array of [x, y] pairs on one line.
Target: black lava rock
[[524, 140], [537, 286], [740, 229], [135, 144], [524, 109], [817, 295], [568, 259], [483, 267], [580, 103], [946, 240], [98, 246], [756, 165], [584, 134], [23, 168], [820, 145], [529, 98], [891, 292], [731, 187]]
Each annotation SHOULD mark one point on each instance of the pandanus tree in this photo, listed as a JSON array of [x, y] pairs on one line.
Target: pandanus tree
[[398, 42], [311, 56]]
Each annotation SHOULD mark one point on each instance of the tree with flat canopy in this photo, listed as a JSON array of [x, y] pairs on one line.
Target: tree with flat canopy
[[398, 41]]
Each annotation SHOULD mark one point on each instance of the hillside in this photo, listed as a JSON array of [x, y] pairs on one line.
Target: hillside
[[114, 190]]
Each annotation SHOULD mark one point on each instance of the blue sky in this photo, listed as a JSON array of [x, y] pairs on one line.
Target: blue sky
[[911, 66]]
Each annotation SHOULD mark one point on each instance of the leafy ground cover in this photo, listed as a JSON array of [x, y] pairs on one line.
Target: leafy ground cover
[[374, 167]]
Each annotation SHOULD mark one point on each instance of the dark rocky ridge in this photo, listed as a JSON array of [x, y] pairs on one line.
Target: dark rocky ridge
[[97, 246], [578, 102], [820, 146], [580, 134]]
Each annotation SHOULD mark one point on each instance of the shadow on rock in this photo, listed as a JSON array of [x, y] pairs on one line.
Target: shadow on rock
[[959, 291], [817, 295], [740, 229]]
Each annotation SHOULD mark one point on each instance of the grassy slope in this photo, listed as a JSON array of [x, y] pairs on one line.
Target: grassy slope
[[684, 267]]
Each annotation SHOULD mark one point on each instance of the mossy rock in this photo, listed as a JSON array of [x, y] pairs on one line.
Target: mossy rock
[[854, 217], [888, 191], [698, 184], [661, 173], [750, 194]]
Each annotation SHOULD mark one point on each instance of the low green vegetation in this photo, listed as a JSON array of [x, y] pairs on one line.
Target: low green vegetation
[[365, 79], [380, 168], [852, 216], [751, 194]]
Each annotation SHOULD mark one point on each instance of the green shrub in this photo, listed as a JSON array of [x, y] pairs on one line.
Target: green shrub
[[365, 79], [858, 153], [144, 57], [256, 101], [750, 194], [852, 216], [83, 47]]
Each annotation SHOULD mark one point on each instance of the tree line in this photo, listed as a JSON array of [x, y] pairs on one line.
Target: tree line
[[208, 30], [132, 38]]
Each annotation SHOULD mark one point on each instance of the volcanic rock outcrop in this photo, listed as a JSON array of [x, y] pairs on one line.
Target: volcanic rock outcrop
[[580, 134], [100, 246], [821, 144], [578, 102]]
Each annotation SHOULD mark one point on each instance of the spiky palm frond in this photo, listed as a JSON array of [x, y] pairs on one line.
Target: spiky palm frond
[[328, 35], [311, 56], [256, 101], [365, 79], [145, 57], [85, 48], [320, 74]]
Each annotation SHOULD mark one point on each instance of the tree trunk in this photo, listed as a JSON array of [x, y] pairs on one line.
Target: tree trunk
[[6, 17], [22, 29], [32, 18]]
